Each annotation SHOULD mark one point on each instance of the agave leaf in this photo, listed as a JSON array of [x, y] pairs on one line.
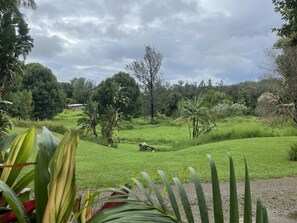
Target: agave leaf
[[13, 201], [234, 216], [184, 199], [217, 202], [62, 180], [200, 196], [247, 197], [170, 194], [155, 189], [19, 153], [47, 145]]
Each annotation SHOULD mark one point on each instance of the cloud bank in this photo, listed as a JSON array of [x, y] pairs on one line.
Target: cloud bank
[[199, 39]]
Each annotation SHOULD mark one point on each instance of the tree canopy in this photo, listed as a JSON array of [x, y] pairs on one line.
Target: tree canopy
[[104, 94], [288, 12], [47, 94], [15, 41], [81, 89]]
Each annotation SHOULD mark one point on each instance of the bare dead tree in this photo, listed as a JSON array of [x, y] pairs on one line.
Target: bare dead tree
[[146, 71]]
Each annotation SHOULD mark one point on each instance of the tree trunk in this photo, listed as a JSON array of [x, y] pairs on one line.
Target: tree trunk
[[93, 127], [294, 116], [152, 108]]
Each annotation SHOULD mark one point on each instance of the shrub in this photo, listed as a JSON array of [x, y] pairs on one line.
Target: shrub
[[292, 153], [266, 105], [227, 110]]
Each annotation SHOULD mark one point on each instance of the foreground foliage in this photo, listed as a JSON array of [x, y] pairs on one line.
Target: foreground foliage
[[152, 206]]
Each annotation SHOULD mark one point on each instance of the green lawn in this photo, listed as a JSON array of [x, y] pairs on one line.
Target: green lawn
[[99, 166]]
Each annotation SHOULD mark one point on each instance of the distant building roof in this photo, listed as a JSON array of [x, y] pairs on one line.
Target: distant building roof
[[75, 105]]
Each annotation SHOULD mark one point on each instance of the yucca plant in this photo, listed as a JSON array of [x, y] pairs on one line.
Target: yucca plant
[[153, 207]]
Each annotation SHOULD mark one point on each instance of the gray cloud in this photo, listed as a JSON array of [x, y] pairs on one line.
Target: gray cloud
[[199, 39]]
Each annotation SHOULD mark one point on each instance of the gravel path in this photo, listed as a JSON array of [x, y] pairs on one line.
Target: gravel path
[[278, 195]]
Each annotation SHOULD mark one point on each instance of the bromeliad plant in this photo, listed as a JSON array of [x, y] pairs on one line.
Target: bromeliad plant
[[153, 207]]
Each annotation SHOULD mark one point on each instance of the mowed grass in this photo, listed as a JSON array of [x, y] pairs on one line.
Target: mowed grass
[[99, 166]]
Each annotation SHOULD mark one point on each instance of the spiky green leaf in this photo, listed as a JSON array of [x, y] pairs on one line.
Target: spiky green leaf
[[200, 196], [234, 215], [216, 193]]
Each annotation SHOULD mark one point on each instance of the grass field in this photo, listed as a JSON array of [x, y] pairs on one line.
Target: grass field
[[99, 166]]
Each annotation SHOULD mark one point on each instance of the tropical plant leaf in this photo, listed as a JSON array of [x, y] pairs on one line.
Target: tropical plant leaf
[[16, 165], [184, 199], [144, 191], [47, 145], [149, 209], [217, 202], [14, 202], [20, 151], [200, 196], [247, 197], [131, 212], [234, 215], [170, 194], [62, 180], [265, 214], [259, 212], [24, 181], [155, 189]]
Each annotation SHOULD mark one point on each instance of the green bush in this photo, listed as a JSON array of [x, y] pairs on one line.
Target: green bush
[[292, 153]]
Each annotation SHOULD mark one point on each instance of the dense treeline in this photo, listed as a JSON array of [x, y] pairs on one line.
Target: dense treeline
[[38, 93]]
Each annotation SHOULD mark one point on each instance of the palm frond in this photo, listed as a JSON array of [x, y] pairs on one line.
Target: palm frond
[[154, 208]]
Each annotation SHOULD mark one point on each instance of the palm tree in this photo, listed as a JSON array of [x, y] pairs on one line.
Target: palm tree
[[90, 118], [5, 122], [110, 120], [198, 116]]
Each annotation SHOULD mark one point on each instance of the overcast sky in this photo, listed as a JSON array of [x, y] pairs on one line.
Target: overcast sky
[[199, 39]]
